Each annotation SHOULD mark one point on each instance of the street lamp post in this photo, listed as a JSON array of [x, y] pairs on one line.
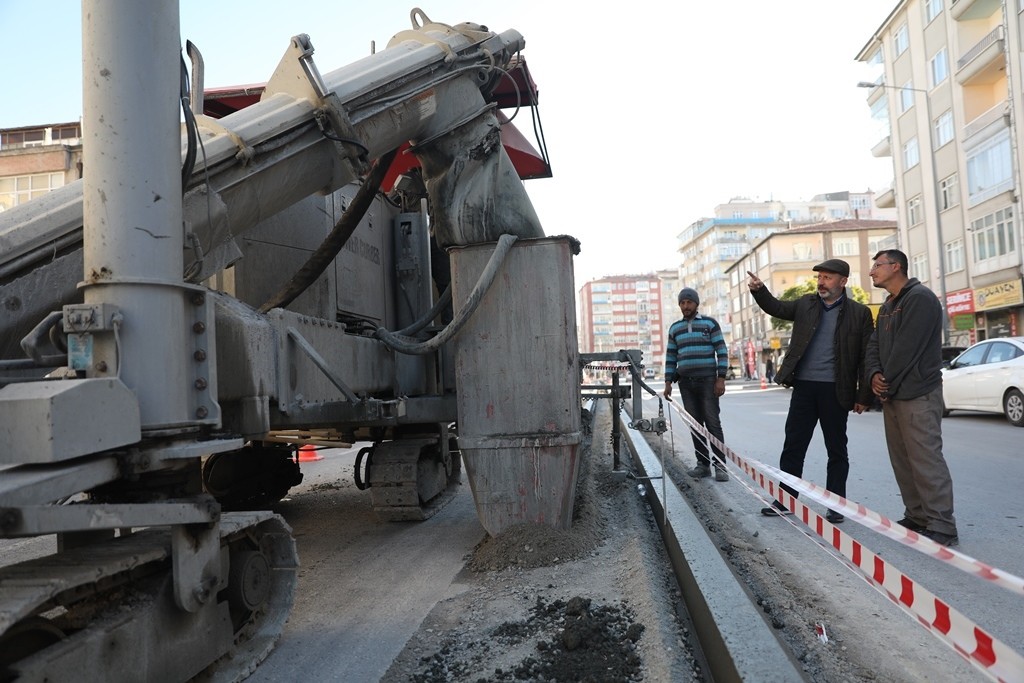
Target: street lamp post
[[935, 195]]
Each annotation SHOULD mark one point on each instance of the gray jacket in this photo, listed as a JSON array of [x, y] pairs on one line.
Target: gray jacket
[[907, 344]]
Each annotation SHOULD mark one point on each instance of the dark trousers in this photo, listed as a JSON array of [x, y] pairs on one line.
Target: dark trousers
[[811, 403], [699, 400]]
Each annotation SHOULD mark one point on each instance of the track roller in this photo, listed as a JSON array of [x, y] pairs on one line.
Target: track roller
[[411, 479]]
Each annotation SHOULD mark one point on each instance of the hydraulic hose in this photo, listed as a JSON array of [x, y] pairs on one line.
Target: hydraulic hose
[[413, 347], [329, 249], [33, 340], [435, 310]]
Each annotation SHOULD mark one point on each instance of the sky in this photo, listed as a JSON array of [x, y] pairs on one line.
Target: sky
[[653, 114]]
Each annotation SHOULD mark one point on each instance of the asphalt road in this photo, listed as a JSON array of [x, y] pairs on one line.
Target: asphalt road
[[364, 585], [987, 465]]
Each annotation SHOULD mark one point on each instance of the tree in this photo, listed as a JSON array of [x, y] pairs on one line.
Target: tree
[[810, 286]]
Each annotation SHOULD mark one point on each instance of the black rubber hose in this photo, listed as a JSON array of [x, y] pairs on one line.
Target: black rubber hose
[[190, 129], [332, 246], [368, 452], [442, 301]]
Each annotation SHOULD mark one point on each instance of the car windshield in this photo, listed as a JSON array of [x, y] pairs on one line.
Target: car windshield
[[972, 356]]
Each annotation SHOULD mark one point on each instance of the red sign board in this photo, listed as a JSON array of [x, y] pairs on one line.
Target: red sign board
[[961, 301]]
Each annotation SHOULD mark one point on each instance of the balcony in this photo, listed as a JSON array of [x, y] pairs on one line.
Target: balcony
[[886, 199], [997, 115], [985, 62], [875, 93], [969, 10], [883, 148]]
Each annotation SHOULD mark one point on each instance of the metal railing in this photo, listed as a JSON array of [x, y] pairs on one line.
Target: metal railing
[[994, 35]]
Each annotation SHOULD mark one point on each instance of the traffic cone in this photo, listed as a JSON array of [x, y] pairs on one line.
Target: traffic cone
[[308, 453], [764, 382]]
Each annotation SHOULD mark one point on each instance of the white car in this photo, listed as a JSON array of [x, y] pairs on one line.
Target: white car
[[987, 377]]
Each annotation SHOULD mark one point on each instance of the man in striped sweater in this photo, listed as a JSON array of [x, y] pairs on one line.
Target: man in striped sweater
[[696, 357]]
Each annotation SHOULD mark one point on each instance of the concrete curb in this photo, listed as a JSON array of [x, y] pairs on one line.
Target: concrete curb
[[737, 640]]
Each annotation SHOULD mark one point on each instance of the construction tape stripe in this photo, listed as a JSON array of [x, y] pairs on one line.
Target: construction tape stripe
[[861, 514], [988, 654]]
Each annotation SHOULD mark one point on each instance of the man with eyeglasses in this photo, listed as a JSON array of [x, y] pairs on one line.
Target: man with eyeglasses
[[904, 364], [825, 367]]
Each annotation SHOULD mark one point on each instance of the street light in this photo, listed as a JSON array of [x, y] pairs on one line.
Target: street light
[[935, 195]]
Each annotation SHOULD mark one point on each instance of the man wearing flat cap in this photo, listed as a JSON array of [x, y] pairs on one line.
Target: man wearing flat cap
[[697, 358], [825, 368]]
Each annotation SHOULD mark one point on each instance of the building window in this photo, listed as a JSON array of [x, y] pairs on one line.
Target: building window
[[919, 267], [955, 255], [939, 67], [737, 214], [949, 192], [914, 213], [989, 168], [911, 154], [877, 243], [802, 251], [37, 137], [836, 213], [16, 190], [906, 96], [932, 9], [22, 138], [993, 235], [844, 246], [880, 115], [901, 40], [944, 128]]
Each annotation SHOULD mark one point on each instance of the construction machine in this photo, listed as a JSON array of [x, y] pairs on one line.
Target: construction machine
[[349, 257]]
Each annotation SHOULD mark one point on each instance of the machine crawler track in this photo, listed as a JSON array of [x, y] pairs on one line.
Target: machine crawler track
[[411, 479], [107, 611]]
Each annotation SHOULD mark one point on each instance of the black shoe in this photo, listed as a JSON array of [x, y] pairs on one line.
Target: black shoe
[[941, 538], [834, 517], [908, 523], [776, 510], [699, 472]]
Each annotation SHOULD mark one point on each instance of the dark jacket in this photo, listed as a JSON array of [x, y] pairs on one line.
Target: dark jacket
[[853, 330], [907, 346]]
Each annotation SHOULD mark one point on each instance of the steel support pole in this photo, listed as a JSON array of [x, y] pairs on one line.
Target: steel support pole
[[132, 198]]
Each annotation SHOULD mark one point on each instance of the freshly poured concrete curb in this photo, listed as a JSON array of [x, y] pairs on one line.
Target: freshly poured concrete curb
[[737, 641]]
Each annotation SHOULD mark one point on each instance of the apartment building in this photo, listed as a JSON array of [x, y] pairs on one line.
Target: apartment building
[[786, 259], [35, 160], [948, 96], [629, 312]]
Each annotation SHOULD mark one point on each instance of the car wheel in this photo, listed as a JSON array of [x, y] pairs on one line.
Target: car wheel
[[1013, 406]]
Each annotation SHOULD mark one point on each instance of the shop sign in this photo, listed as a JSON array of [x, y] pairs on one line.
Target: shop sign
[[961, 301], [963, 321], [1007, 293]]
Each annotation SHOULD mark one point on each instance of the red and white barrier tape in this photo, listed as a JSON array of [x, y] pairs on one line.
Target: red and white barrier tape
[[985, 652]]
